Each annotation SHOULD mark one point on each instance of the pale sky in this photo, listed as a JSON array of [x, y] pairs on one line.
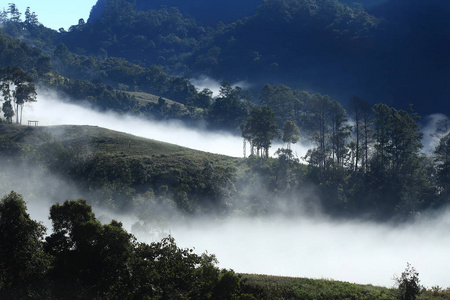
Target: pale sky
[[53, 13]]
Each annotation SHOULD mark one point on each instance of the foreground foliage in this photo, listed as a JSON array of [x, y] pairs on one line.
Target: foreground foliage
[[85, 259]]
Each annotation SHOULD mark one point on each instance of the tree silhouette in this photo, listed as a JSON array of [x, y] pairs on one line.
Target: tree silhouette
[[260, 128], [408, 284], [22, 258], [291, 133]]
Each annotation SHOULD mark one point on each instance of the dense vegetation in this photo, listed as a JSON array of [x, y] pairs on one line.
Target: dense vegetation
[[323, 46]]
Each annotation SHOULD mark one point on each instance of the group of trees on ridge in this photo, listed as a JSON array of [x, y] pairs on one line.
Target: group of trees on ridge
[[17, 89]]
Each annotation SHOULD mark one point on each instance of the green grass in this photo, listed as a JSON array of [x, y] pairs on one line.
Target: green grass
[[279, 287]]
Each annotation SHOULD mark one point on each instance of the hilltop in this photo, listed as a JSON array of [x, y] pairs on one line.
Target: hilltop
[[113, 168]]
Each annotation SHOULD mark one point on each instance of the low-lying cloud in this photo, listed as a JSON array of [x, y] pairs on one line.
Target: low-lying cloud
[[357, 252]]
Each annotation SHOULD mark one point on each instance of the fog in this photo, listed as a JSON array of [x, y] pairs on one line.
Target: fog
[[311, 246], [430, 125], [357, 252]]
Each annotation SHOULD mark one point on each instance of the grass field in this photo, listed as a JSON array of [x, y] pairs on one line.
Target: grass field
[[278, 287]]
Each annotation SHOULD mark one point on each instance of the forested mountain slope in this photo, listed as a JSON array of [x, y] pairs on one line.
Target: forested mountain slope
[[394, 52], [384, 51]]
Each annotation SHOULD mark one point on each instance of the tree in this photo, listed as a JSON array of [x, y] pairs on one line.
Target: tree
[[203, 99], [319, 128], [31, 19], [442, 160], [22, 259], [229, 110], [18, 87], [260, 128], [291, 133], [62, 52], [282, 100], [88, 255], [398, 137], [14, 12], [8, 111], [382, 118], [367, 122], [359, 111], [340, 131], [3, 16], [408, 284], [396, 168], [228, 286]]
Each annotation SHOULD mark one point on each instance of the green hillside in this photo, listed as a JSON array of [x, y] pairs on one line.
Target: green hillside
[[110, 142], [114, 169]]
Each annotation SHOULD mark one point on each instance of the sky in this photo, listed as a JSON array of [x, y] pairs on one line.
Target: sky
[[54, 14]]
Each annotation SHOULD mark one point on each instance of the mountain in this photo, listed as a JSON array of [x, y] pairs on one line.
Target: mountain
[[393, 52]]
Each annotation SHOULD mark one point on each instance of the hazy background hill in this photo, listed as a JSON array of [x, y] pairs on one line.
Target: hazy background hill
[[384, 51], [394, 52]]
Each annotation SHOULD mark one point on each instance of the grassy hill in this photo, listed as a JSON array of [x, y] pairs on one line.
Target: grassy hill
[[107, 141], [114, 168]]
